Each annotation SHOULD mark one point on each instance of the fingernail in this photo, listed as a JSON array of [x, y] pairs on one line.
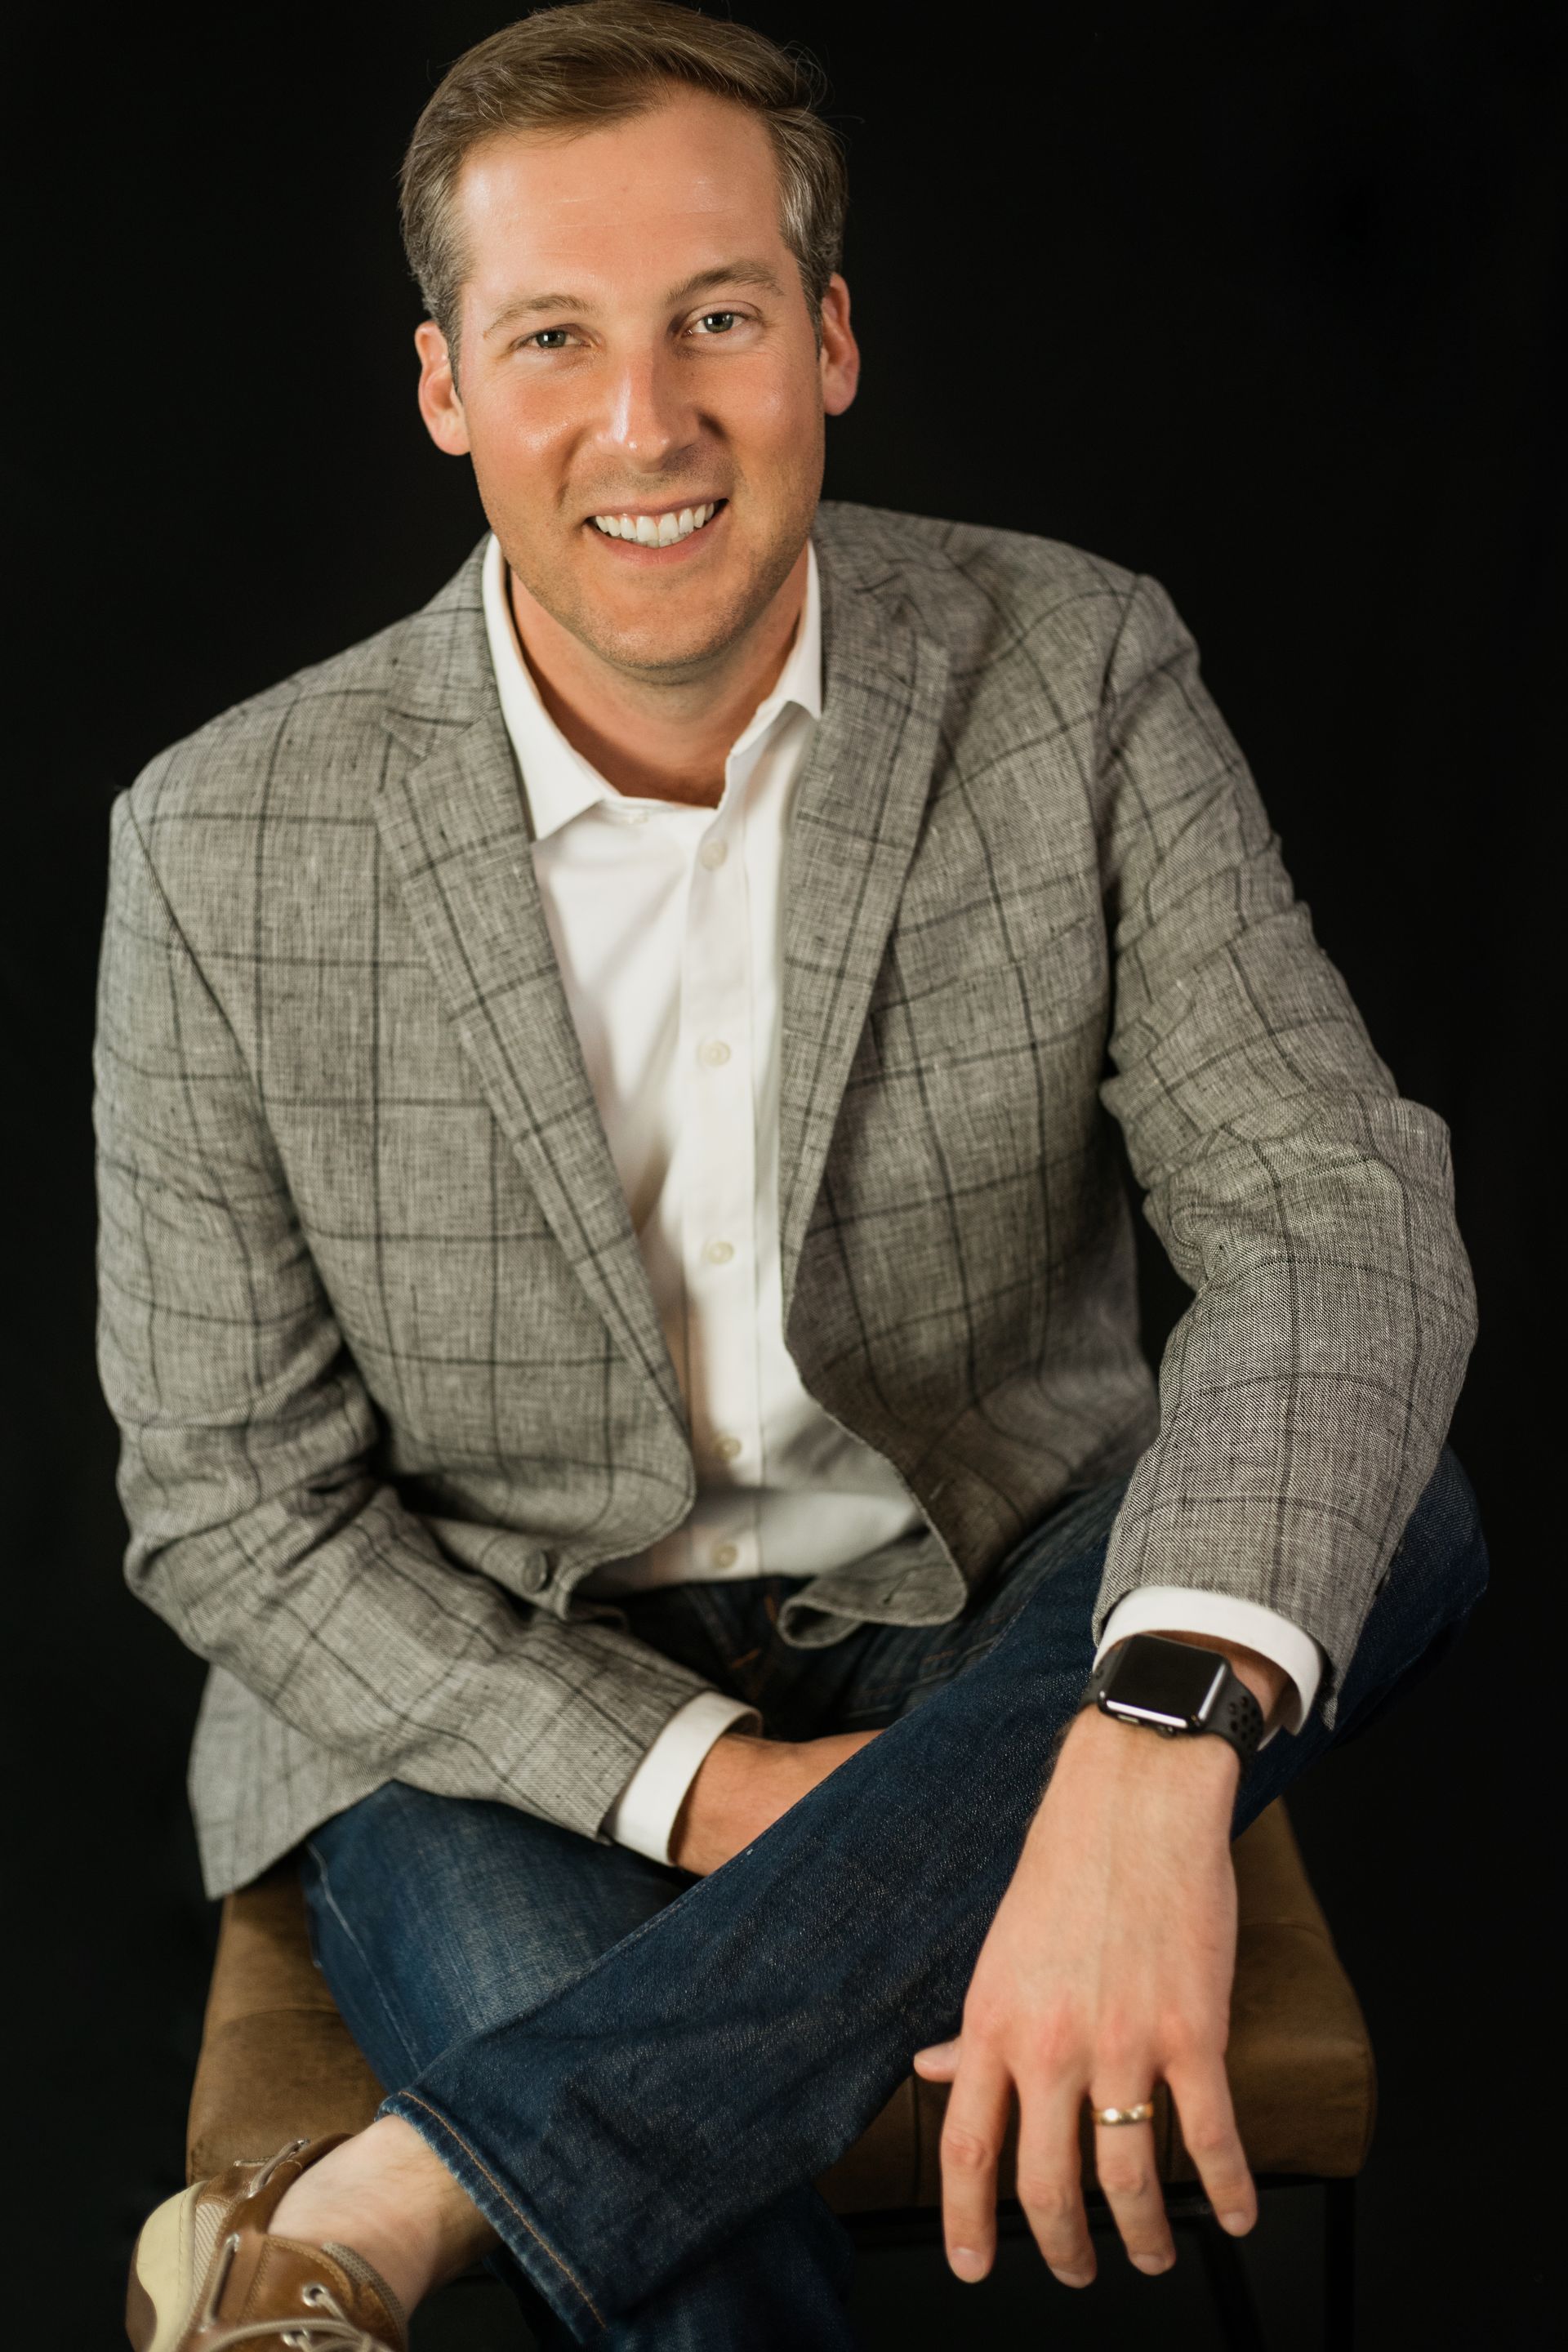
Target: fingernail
[[1152, 2264], [967, 2264], [1237, 2223], [1073, 2278]]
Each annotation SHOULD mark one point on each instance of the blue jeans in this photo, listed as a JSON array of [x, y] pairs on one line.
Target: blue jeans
[[638, 2075]]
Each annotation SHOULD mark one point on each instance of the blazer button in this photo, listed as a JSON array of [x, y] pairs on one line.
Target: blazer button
[[535, 1575]]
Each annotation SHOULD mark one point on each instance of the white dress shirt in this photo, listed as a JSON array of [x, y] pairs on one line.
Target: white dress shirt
[[666, 921]]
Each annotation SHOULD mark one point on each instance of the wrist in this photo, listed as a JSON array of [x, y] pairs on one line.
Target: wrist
[[1138, 1755], [1176, 1788], [1155, 1698], [718, 1810]]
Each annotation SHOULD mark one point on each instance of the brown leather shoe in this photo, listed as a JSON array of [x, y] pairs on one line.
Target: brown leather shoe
[[205, 2274]]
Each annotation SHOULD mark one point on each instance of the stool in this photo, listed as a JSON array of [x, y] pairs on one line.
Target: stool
[[277, 2062]]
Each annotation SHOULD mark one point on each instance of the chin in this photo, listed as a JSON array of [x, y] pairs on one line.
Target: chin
[[667, 640]]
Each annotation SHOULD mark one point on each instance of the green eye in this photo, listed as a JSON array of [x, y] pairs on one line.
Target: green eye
[[540, 337], [728, 316]]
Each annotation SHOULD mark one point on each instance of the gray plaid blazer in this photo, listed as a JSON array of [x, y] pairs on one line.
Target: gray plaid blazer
[[373, 1321]]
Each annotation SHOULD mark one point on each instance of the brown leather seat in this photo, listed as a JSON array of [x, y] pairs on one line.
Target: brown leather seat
[[276, 2060]]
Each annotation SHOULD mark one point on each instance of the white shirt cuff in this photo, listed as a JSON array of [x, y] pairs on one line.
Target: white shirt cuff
[[643, 1815], [1173, 1608]]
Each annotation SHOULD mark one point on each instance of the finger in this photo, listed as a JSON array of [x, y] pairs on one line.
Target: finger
[[1208, 2126], [939, 2063], [1050, 2178], [978, 2108], [1124, 2161]]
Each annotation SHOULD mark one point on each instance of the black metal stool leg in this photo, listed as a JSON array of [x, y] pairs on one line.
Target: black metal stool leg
[[1339, 2266], [1240, 2329]]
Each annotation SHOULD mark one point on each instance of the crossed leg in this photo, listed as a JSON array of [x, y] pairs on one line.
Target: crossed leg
[[433, 1918], [621, 2132]]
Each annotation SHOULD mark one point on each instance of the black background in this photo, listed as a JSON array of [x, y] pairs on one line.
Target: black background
[[1264, 300]]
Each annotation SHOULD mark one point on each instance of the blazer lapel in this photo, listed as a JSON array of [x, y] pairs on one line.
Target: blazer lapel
[[454, 824], [453, 820], [858, 802]]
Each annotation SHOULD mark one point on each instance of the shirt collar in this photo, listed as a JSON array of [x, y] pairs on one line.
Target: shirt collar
[[558, 783]]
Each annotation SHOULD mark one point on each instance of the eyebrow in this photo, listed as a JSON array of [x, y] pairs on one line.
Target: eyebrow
[[728, 273]]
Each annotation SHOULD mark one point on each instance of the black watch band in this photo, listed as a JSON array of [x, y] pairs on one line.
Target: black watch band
[[1175, 1688]]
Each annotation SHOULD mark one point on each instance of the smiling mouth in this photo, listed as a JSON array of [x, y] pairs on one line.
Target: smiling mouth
[[666, 530]]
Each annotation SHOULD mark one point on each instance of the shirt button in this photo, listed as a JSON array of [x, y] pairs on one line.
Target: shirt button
[[714, 853], [718, 1252], [715, 1050], [636, 816], [726, 1448], [725, 1555]]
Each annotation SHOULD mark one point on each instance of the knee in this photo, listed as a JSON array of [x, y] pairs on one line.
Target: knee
[[1443, 1550]]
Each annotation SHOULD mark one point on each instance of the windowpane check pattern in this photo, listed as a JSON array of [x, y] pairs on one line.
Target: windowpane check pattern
[[389, 1372]]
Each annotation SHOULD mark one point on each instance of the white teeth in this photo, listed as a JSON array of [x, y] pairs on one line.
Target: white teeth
[[662, 530]]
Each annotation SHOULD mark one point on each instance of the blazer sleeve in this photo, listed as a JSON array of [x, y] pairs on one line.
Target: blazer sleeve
[[1305, 1392], [259, 1528]]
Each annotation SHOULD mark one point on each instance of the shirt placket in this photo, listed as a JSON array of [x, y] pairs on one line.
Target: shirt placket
[[718, 1157]]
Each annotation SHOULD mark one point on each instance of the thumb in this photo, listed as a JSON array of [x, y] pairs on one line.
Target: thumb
[[939, 2063]]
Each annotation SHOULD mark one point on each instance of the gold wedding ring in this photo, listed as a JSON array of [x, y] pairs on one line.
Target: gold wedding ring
[[1142, 2114]]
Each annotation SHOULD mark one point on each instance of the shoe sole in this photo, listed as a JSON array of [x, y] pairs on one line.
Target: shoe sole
[[161, 2286]]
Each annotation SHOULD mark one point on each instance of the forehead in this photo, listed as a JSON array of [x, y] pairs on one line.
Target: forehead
[[646, 199]]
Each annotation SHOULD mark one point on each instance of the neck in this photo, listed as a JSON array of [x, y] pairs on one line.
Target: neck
[[650, 739]]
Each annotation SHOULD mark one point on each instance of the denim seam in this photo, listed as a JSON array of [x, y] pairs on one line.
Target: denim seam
[[998, 1631], [389, 2009], [957, 1659], [994, 1625], [414, 2100]]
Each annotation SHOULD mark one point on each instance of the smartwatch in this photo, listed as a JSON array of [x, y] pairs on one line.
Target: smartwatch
[[1176, 1689]]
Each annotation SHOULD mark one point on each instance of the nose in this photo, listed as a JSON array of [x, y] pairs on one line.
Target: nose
[[649, 420]]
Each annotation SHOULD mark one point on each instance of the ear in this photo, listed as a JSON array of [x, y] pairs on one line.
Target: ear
[[840, 356], [439, 404]]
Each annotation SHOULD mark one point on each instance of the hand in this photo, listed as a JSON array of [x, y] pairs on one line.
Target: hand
[[1108, 1968], [744, 1785]]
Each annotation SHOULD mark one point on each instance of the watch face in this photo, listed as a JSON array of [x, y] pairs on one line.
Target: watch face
[[1160, 1681]]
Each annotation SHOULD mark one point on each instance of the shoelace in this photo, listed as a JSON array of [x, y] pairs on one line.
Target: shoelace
[[290, 2148], [334, 2332]]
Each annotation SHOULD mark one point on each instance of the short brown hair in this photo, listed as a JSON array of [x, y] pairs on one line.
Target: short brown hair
[[601, 61]]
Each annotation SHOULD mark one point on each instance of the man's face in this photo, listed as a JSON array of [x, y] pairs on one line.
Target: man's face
[[636, 343]]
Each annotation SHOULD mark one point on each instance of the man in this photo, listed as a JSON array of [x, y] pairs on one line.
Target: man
[[620, 1308]]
